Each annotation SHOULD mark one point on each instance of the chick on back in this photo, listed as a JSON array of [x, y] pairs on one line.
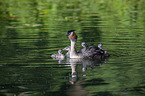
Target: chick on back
[[58, 55], [86, 51], [92, 51]]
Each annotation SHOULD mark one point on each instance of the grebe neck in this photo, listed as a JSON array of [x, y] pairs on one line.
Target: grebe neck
[[73, 46], [73, 52]]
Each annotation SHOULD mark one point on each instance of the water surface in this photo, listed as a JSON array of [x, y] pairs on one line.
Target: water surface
[[33, 30]]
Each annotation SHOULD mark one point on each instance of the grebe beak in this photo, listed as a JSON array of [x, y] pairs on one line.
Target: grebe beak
[[68, 37], [69, 34]]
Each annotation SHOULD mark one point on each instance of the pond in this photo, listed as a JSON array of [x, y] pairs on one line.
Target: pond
[[33, 30]]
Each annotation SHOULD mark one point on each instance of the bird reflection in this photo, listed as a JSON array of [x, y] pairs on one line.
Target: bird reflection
[[86, 63], [76, 88]]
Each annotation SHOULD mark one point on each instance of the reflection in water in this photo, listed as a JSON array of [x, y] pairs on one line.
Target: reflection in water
[[76, 88], [85, 63]]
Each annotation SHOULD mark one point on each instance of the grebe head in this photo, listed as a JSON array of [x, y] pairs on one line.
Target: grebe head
[[100, 46], [58, 55], [67, 48], [84, 44], [72, 35], [60, 51]]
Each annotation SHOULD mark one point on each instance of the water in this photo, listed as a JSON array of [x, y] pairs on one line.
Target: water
[[33, 30]]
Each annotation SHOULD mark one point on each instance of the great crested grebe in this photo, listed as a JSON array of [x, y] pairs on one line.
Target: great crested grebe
[[84, 47], [90, 51], [58, 55], [73, 38], [102, 51], [98, 50], [67, 48], [87, 51]]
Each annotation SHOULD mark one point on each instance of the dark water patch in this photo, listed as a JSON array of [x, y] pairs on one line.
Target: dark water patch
[[105, 93], [139, 89], [94, 82]]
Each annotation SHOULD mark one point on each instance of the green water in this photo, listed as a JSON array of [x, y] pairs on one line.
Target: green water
[[32, 30]]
